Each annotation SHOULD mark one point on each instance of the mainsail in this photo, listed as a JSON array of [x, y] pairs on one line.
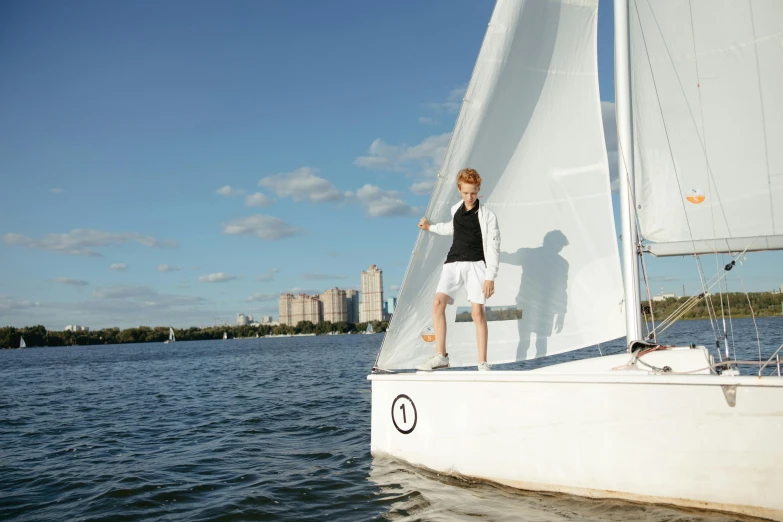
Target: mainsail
[[531, 125], [708, 124], [171, 335]]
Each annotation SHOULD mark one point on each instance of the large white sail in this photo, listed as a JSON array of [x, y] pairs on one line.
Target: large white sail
[[708, 124], [531, 125]]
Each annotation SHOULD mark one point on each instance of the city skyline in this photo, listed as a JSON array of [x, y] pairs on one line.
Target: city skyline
[[337, 304]]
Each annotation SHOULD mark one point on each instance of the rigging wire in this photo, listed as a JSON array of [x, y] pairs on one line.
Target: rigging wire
[[710, 310], [692, 301], [731, 325], [647, 287], [752, 314], [707, 173], [722, 312]]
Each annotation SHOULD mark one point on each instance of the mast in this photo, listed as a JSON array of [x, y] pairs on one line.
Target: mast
[[622, 97]]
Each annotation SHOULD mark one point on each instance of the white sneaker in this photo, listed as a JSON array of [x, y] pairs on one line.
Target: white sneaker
[[484, 367], [434, 362]]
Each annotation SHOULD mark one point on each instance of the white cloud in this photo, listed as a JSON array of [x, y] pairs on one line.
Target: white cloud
[[118, 267], [394, 287], [379, 203], [308, 291], [123, 306], [262, 297], [70, 281], [422, 188], [81, 241], [229, 191], [269, 276], [169, 268], [56, 190], [303, 184], [424, 158], [219, 277], [133, 298], [123, 292], [263, 227], [426, 120], [7, 304], [452, 103], [321, 277], [257, 200]]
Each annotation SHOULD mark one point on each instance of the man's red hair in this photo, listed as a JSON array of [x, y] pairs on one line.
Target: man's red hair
[[469, 176]]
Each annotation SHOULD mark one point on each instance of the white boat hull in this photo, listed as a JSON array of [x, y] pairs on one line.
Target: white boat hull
[[632, 435]]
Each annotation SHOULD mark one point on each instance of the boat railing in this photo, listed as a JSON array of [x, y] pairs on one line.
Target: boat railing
[[775, 356], [715, 366]]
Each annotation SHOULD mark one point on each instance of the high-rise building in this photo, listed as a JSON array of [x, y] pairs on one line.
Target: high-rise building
[[314, 309], [335, 305], [305, 308], [391, 304], [372, 295], [285, 305], [298, 309], [352, 305], [77, 328], [243, 320]]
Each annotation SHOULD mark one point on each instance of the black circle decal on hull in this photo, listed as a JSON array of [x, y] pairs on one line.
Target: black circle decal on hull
[[404, 414]]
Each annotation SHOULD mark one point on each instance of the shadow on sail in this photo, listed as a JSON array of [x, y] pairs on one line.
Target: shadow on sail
[[543, 291]]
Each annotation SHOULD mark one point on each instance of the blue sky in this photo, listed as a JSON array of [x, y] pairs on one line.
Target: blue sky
[[180, 162]]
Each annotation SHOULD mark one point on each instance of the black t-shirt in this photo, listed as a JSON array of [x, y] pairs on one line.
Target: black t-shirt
[[468, 244]]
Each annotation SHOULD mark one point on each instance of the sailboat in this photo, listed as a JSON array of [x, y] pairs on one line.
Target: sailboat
[[171, 338], [225, 336], [699, 117], [369, 329], [22, 343]]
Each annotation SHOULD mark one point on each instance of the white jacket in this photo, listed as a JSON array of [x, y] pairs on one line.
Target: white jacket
[[490, 235]]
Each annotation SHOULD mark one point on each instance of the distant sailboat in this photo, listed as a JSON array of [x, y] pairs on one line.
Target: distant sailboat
[[171, 338], [22, 343], [369, 329], [225, 336]]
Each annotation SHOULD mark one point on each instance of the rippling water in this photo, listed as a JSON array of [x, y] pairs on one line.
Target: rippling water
[[256, 429]]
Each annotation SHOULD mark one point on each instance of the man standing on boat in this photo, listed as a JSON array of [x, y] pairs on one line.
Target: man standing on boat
[[472, 262]]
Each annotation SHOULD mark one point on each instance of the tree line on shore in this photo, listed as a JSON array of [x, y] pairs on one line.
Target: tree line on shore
[[765, 304], [40, 336]]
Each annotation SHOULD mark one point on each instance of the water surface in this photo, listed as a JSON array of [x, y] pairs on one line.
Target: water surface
[[255, 429]]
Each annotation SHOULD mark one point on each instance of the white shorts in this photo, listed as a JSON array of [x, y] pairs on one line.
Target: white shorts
[[463, 273]]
